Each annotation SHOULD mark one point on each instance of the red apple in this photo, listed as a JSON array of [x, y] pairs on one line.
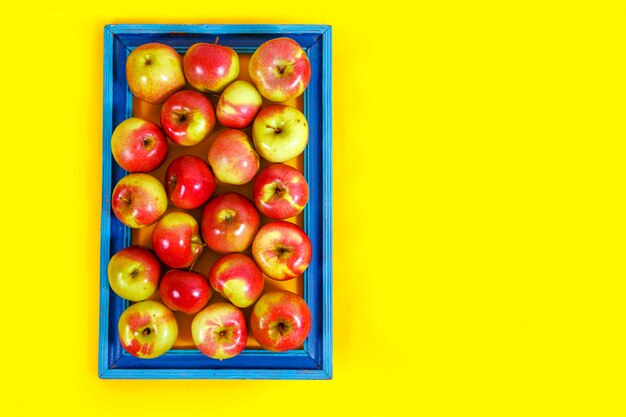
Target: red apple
[[147, 329], [176, 240], [184, 291], [232, 157], [187, 117], [236, 277], [154, 72], [229, 222], [280, 69], [139, 200], [189, 182], [210, 67], [220, 331], [280, 191], [280, 133], [134, 273], [238, 105], [138, 145], [282, 250], [280, 321]]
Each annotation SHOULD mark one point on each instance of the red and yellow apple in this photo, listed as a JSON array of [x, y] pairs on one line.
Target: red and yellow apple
[[237, 278], [189, 182], [280, 191], [176, 240], [280, 321], [280, 133], [210, 67], [280, 69], [187, 117], [282, 250], [139, 200], [229, 222], [232, 157], [154, 72], [138, 145], [184, 291], [147, 329], [220, 331], [134, 273], [239, 104]]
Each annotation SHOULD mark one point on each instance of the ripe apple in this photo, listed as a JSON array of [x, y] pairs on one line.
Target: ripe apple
[[176, 240], [154, 72], [134, 273], [139, 200], [280, 133], [184, 291], [188, 117], [147, 329], [280, 69], [229, 222], [138, 145], [282, 250], [280, 191], [220, 331], [236, 277], [280, 321], [189, 182], [210, 67], [238, 105], [232, 157]]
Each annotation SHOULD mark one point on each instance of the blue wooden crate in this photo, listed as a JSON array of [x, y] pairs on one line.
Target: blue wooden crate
[[315, 360]]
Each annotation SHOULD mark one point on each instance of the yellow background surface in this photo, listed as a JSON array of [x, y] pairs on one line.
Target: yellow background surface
[[478, 211]]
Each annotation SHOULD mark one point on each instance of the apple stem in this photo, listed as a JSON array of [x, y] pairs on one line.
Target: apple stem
[[192, 264], [217, 40]]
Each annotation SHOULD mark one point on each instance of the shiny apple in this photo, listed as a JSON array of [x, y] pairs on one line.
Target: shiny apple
[[147, 329], [138, 145], [138, 200], [189, 182], [187, 117], [154, 72], [184, 291], [176, 240], [237, 278], [282, 250], [239, 104], [233, 158], [220, 331], [210, 67], [280, 191], [134, 273], [280, 133], [229, 222]]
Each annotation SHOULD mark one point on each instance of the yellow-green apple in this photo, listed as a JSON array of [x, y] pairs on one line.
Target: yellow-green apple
[[134, 273], [229, 222], [184, 291], [282, 250], [220, 331], [280, 191], [176, 240], [210, 67], [280, 69], [280, 321], [188, 117], [189, 182], [280, 133], [154, 72], [138, 145], [233, 158], [139, 200], [147, 329], [238, 105], [236, 277]]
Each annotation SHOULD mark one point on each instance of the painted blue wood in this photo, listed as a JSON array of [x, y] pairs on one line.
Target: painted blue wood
[[315, 360]]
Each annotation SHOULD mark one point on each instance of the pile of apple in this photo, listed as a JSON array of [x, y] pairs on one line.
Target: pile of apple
[[230, 223]]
